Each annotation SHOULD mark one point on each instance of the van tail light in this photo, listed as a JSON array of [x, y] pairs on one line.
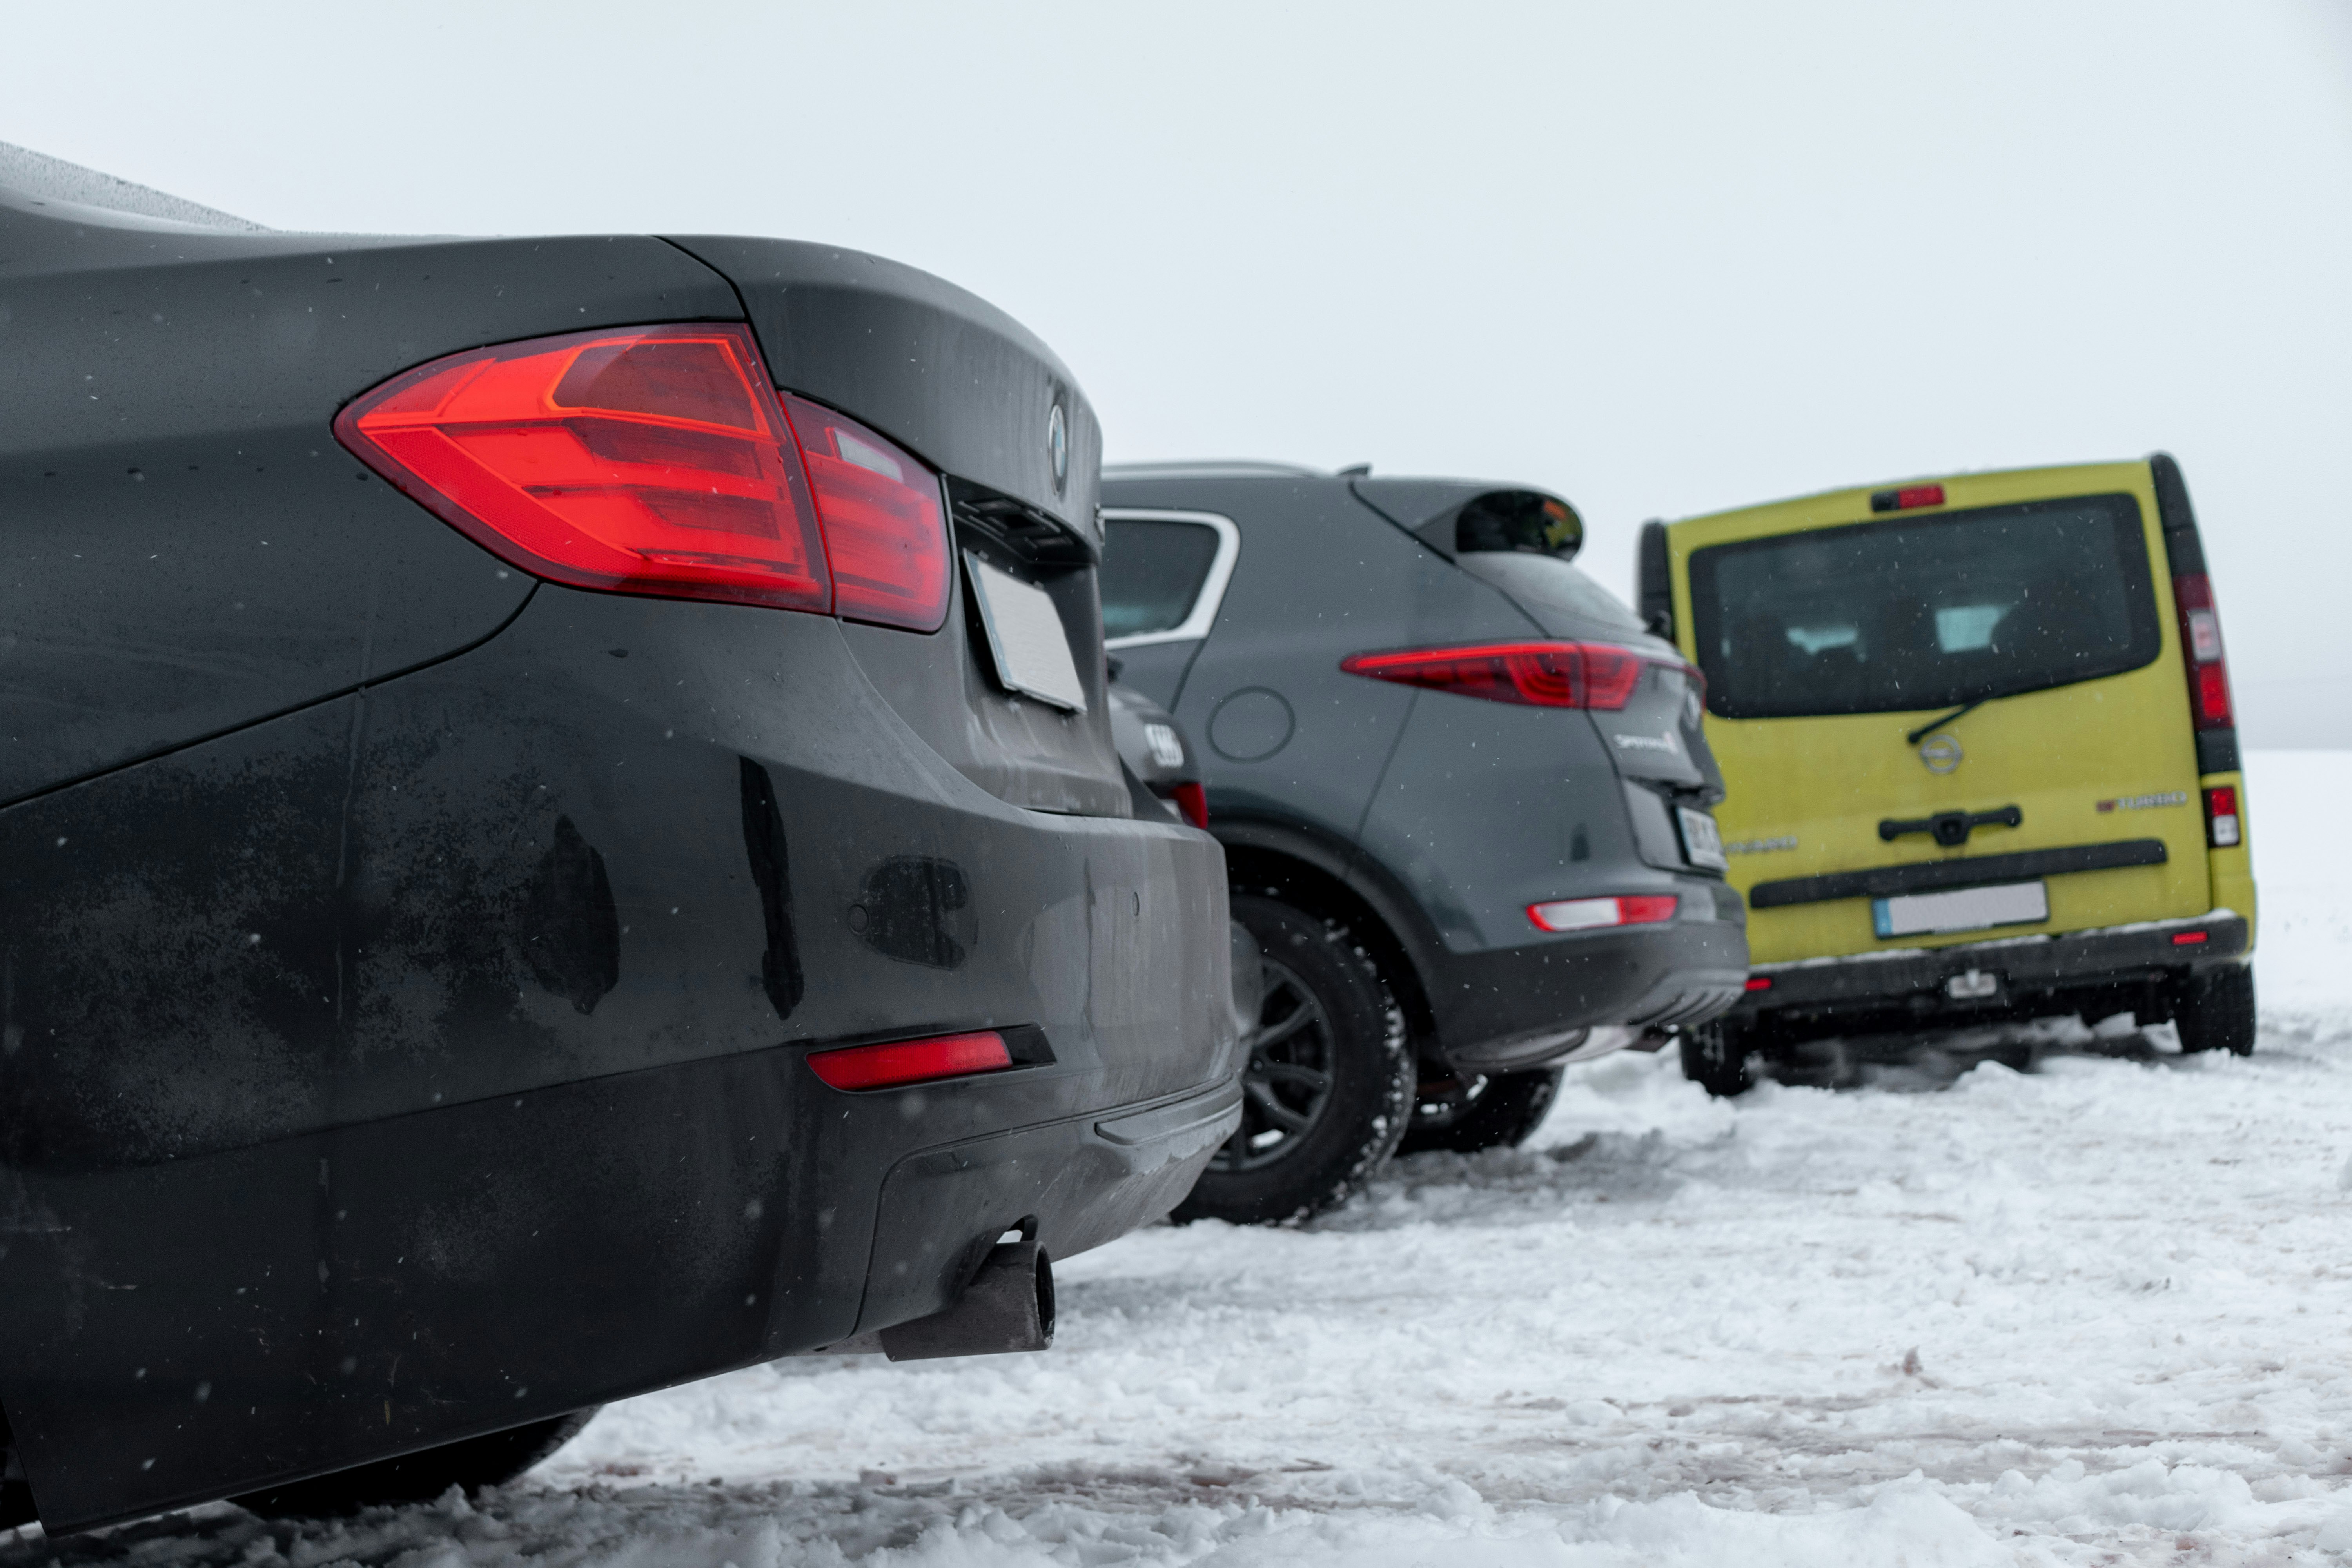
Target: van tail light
[[2224, 830], [643, 460], [1534, 674], [1192, 798], [885, 534], [1592, 914], [2200, 649], [911, 1061]]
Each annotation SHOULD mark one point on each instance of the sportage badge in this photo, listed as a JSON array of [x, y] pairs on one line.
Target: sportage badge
[[1942, 753]]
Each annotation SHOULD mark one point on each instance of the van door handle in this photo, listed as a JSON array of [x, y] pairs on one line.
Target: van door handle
[[1949, 828]]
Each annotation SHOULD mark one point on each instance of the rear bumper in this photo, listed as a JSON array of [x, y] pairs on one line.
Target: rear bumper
[[430, 1061], [2025, 975], [1527, 1006]]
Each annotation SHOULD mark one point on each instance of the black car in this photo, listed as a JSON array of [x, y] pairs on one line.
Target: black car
[[1464, 798], [561, 835]]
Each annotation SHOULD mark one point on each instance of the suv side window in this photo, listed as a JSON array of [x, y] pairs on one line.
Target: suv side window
[[1163, 575]]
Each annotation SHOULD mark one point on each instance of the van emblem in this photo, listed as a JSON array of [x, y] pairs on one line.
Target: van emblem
[[1058, 446], [1942, 753]]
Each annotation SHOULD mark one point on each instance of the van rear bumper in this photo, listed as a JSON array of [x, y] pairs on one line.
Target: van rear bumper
[[2026, 974]]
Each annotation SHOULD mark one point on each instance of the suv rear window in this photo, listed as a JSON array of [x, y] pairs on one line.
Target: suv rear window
[[1889, 617], [1152, 572]]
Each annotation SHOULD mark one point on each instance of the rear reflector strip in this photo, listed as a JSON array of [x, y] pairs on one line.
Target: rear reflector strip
[[1592, 914], [2223, 829], [2188, 938], [1903, 497], [1759, 983], [911, 1061]]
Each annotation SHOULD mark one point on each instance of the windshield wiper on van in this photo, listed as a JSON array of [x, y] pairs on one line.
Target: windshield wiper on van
[[1963, 711]]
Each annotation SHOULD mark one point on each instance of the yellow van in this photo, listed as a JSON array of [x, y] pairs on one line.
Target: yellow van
[[1982, 764]]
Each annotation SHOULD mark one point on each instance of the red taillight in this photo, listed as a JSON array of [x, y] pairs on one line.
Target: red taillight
[[1759, 983], [1536, 674], [2200, 649], [2223, 828], [1192, 800], [648, 461], [911, 1061], [1591, 915], [886, 535], [1905, 497], [2188, 938]]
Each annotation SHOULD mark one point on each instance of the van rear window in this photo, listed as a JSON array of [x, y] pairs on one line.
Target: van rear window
[[1932, 612]]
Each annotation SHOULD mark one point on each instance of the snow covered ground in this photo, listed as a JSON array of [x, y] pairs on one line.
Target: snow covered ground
[[2097, 1311]]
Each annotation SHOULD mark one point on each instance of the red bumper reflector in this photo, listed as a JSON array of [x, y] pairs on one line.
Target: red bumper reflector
[[911, 1061], [1593, 914], [1903, 497], [2188, 938], [1192, 800], [1759, 983], [1534, 674]]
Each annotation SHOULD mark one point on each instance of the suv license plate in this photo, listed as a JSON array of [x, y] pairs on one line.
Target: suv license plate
[[1702, 840], [1963, 908]]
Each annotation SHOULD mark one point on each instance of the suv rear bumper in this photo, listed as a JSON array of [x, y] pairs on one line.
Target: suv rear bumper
[[1521, 1008], [2029, 976]]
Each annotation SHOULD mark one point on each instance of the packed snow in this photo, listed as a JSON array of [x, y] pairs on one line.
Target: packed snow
[[1936, 1310]]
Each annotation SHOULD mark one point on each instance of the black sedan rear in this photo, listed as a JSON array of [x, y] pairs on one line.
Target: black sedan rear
[[559, 834]]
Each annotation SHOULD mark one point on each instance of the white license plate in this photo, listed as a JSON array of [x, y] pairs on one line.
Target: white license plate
[[1702, 840], [1963, 908], [1025, 637]]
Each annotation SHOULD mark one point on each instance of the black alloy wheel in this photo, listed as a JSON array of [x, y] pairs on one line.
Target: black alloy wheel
[[1465, 1112], [1329, 1083]]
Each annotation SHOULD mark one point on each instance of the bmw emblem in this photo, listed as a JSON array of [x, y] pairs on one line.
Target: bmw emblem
[[1942, 753], [1057, 446]]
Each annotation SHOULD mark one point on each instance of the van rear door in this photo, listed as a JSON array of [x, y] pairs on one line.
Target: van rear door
[[1948, 712]]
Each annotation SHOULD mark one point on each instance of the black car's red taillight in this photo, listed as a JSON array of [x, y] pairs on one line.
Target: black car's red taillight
[[1537, 674], [885, 534], [646, 460], [2201, 651], [660, 461]]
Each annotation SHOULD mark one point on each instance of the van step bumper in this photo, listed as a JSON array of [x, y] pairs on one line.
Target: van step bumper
[[1997, 975]]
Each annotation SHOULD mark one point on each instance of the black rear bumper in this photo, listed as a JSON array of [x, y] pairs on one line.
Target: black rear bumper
[[2115, 969], [430, 1061]]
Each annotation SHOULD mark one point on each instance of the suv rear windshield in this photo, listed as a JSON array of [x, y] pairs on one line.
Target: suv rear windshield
[[1889, 617], [1152, 572]]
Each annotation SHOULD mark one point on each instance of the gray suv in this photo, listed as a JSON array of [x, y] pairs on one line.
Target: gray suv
[[1463, 798]]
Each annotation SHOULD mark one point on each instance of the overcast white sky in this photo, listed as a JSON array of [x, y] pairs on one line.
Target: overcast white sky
[[1660, 258]]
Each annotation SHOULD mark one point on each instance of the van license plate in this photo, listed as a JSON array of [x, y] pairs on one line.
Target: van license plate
[[1702, 840], [1963, 908]]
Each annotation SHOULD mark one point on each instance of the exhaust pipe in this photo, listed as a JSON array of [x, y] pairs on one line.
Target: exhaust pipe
[[1008, 1305]]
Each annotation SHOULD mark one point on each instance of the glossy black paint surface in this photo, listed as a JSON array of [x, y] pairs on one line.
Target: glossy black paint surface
[[1438, 818], [404, 980]]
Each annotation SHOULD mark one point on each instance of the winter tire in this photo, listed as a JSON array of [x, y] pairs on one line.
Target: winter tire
[[471, 1462], [1329, 1083], [2214, 1010], [1464, 1113], [1715, 1058]]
